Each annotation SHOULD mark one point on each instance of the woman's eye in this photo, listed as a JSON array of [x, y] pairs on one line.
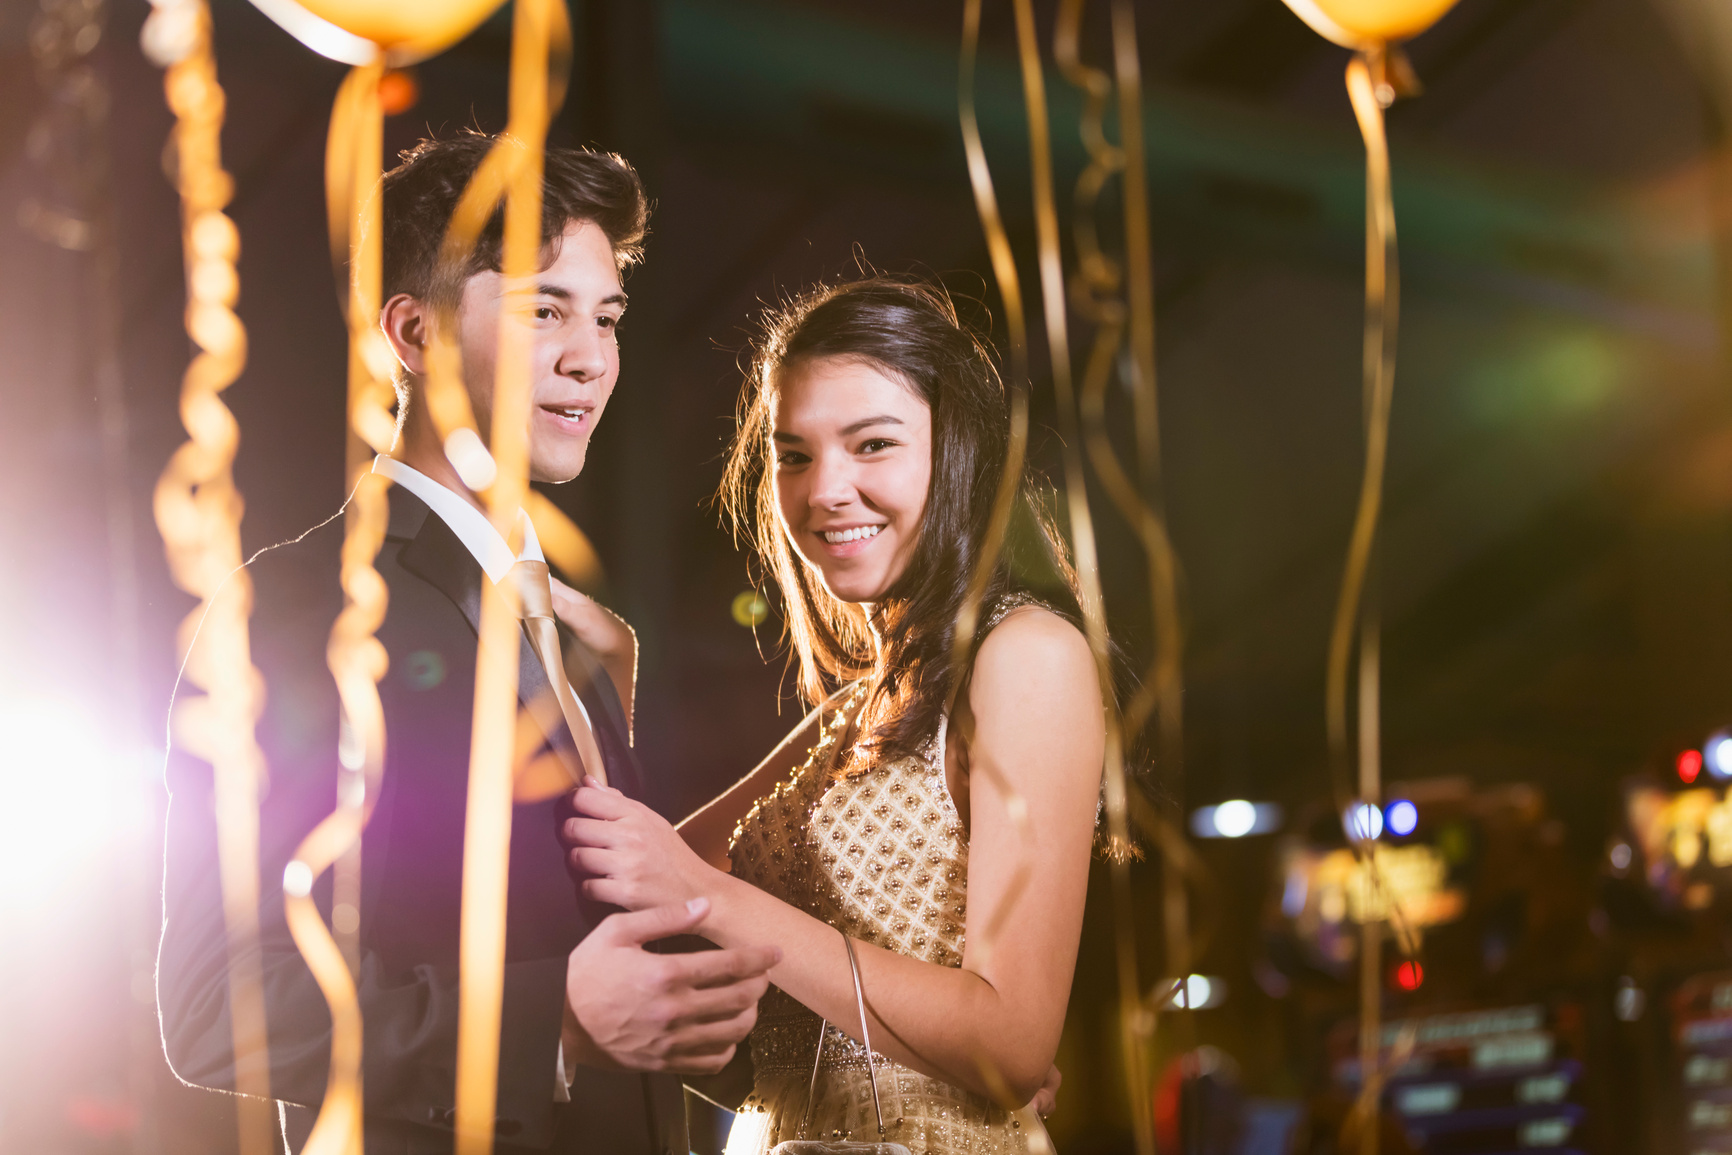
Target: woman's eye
[[876, 444], [790, 457]]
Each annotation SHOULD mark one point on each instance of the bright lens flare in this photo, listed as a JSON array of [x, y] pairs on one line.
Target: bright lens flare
[[72, 801]]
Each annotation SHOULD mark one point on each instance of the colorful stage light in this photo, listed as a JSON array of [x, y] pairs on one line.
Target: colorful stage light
[[1409, 976], [1235, 818], [1363, 822], [1689, 766], [1717, 754], [1194, 992], [1402, 818]]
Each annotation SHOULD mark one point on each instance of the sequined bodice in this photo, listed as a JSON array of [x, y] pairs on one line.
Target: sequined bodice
[[883, 857]]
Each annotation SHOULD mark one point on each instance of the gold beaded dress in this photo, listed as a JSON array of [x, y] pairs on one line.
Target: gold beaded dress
[[881, 856]]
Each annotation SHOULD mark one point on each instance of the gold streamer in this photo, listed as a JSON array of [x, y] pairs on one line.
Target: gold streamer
[[1095, 290], [198, 512], [1133, 1022], [356, 658], [487, 830], [1010, 481]]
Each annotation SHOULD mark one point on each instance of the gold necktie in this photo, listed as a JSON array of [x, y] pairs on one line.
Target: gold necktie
[[535, 605]]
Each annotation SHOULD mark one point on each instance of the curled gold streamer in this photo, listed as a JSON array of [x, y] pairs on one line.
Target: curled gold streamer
[[356, 658], [1096, 290], [487, 829], [198, 511], [1133, 1020]]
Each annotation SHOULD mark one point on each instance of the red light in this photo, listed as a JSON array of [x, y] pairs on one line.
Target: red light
[[1689, 765], [1409, 976]]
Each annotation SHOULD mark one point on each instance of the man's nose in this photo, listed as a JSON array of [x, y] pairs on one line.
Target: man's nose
[[583, 354]]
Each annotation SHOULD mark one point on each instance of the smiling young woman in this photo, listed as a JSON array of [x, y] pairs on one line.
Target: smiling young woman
[[872, 439]]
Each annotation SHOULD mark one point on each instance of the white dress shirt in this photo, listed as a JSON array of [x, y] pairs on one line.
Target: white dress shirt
[[471, 526], [476, 532]]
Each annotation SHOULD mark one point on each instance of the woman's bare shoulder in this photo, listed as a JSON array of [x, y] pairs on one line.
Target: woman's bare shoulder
[[1033, 633]]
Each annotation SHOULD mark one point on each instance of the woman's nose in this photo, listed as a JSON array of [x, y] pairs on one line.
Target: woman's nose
[[832, 482]]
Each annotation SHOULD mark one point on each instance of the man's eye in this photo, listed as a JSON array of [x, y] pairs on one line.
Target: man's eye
[[608, 322], [546, 313]]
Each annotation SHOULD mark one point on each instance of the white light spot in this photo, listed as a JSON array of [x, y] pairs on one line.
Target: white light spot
[[1235, 819], [1720, 757], [1621, 855], [1364, 822], [1402, 817], [1196, 992], [297, 879]]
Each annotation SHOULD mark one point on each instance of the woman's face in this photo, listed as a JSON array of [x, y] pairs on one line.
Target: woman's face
[[853, 466]]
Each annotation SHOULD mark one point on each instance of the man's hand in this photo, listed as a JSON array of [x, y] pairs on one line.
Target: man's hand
[[677, 1013]]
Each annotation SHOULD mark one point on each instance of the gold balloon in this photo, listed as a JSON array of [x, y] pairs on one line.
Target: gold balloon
[[355, 31], [1365, 24]]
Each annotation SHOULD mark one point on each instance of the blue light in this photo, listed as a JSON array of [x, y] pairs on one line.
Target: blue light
[[1402, 818]]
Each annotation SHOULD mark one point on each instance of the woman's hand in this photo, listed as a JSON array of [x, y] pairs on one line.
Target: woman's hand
[[628, 855], [605, 633]]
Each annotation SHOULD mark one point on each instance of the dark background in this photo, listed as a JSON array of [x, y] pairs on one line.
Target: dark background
[[1554, 579]]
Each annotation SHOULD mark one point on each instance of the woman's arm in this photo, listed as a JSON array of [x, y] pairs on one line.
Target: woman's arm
[[708, 830], [993, 1024]]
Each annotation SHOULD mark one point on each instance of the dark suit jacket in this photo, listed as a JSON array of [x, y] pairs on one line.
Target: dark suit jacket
[[412, 856]]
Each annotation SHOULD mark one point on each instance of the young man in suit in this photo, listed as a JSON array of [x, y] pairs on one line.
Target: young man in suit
[[596, 1029]]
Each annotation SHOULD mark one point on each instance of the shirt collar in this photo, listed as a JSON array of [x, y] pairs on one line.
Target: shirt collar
[[471, 526]]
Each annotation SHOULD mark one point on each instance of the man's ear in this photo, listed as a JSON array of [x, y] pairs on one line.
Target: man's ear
[[406, 321]]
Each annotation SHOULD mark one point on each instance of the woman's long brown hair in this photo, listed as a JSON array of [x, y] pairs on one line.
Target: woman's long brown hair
[[910, 329]]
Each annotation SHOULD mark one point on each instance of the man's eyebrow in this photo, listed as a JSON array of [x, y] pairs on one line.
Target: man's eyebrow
[[868, 422], [563, 294]]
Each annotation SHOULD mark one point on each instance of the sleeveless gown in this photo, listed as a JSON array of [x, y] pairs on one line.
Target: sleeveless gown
[[881, 856]]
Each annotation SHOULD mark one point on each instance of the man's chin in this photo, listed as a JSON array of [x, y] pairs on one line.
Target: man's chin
[[557, 469]]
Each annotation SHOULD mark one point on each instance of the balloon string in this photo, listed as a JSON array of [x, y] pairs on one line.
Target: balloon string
[[1382, 296], [487, 825], [198, 512], [1132, 1019]]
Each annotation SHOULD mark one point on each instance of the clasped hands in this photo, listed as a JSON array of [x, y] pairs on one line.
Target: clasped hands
[[626, 855]]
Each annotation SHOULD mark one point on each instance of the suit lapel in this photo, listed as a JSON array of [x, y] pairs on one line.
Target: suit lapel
[[437, 556]]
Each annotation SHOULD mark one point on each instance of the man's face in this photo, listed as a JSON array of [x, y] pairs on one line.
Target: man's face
[[572, 313]]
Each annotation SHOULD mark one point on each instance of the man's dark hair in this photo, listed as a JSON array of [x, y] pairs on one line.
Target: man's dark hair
[[422, 192]]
